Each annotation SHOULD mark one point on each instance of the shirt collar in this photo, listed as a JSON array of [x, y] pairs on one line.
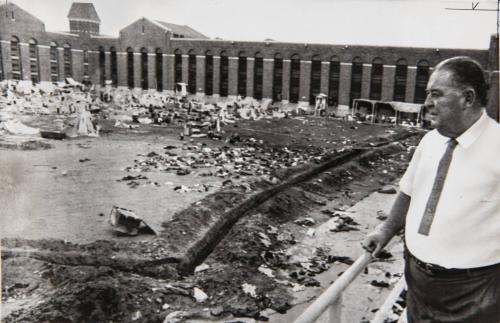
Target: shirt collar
[[470, 135]]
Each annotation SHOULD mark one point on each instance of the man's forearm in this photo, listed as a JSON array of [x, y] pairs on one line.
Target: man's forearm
[[396, 219]]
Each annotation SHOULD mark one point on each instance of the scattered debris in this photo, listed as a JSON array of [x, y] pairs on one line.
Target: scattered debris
[[384, 254], [201, 268], [266, 271], [176, 317], [305, 221], [387, 190], [344, 223], [381, 215], [199, 295], [379, 283], [126, 222], [298, 287], [136, 316], [249, 290], [256, 254], [343, 259]]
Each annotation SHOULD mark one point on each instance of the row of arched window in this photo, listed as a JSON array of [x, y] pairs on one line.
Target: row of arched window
[[67, 71], [356, 83], [15, 57], [293, 90], [34, 60], [144, 66]]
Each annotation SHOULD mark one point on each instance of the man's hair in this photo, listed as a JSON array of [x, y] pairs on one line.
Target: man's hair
[[467, 72]]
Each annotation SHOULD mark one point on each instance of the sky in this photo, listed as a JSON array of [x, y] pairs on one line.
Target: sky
[[417, 23]]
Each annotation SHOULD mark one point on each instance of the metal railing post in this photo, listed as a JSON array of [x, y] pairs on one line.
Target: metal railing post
[[384, 310], [333, 313], [333, 294]]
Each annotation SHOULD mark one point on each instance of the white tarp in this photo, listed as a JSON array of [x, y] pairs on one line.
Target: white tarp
[[406, 107], [46, 87], [15, 127], [72, 82], [24, 87], [266, 103]]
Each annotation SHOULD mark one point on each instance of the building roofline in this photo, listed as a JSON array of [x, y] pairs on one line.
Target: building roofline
[[149, 20], [84, 20], [80, 4], [348, 46]]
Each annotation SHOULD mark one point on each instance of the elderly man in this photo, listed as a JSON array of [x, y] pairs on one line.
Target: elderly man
[[449, 204]]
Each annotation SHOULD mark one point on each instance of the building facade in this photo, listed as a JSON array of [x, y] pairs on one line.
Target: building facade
[[151, 54]]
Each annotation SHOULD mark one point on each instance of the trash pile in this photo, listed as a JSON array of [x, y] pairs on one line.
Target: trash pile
[[253, 158], [198, 117], [68, 109], [22, 97]]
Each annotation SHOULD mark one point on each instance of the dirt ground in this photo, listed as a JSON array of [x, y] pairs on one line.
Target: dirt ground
[[55, 193], [63, 263]]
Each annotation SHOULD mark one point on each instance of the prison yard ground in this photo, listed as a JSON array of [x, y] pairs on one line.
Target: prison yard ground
[[234, 218]]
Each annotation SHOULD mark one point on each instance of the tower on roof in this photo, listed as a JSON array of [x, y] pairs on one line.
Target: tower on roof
[[83, 18]]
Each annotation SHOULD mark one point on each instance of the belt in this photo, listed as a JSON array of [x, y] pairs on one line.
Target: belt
[[433, 269]]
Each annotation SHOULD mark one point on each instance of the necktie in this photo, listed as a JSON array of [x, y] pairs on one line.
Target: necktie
[[432, 202]]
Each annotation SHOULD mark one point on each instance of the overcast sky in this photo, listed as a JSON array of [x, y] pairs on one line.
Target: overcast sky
[[419, 23]]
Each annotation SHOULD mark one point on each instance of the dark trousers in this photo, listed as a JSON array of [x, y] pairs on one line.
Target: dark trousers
[[452, 296]]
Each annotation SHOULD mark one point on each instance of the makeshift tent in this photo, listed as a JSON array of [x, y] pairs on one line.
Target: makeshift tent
[[408, 108], [320, 105], [372, 109], [83, 125], [363, 107]]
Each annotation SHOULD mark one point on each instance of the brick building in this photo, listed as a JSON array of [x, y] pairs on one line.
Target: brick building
[[151, 54]]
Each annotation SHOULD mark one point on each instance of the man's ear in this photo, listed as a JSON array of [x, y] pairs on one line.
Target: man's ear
[[470, 96]]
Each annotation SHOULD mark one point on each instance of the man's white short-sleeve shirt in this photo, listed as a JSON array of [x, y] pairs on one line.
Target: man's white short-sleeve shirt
[[465, 232]]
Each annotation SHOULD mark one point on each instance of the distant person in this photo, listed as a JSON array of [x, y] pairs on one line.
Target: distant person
[[449, 204]]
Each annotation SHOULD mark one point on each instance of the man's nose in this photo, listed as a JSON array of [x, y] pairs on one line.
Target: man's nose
[[428, 102]]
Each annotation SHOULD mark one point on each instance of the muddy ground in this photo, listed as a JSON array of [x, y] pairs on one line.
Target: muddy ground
[[239, 232]]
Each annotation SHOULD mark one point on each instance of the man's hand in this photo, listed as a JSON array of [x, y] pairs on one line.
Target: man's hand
[[378, 238], [375, 241]]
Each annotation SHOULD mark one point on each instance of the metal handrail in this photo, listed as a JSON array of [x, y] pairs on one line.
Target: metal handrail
[[383, 311], [327, 307], [333, 293]]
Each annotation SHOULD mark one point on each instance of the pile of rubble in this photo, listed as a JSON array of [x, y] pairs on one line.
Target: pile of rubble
[[252, 158], [69, 108]]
